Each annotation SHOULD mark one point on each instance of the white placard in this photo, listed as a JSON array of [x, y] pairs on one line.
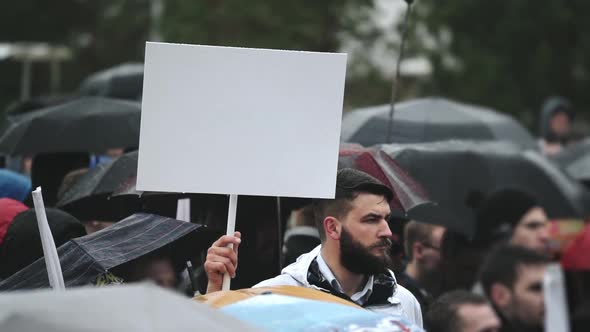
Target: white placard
[[240, 121]]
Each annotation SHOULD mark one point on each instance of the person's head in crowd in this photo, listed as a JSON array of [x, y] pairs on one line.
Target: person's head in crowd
[[156, 267], [9, 208], [515, 216], [556, 117], [461, 259], [422, 243], [22, 243], [512, 278], [461, 311], [48, 171], [14, 185], [354, 225]]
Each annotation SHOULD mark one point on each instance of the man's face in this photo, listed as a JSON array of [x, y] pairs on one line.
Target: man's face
[[365, 236], [478, 318], [161, 272], [533, 231], [430, 258], [527, 304], [560, 124]]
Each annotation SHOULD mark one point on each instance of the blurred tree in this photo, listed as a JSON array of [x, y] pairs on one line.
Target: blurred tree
[[100, 34], [106, 33], [309, 25], [506, 54]]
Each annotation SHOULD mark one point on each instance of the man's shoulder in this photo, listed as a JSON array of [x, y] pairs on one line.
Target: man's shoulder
[[405, 295]]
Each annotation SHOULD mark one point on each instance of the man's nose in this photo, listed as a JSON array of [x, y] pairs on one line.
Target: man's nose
[[544, 234], [385, 231]]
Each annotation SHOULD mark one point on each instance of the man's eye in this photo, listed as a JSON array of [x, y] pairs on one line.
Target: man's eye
[[536, 287], [534, 225]]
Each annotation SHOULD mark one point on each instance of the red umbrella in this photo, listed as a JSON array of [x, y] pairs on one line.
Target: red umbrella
[[575, 255], [408, 193]]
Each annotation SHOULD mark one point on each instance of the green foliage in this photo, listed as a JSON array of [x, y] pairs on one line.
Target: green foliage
[[106, 33], [511, 54]]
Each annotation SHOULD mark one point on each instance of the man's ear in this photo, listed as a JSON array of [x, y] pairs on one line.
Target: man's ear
[[417, 250], [333, 227], [500, 295]]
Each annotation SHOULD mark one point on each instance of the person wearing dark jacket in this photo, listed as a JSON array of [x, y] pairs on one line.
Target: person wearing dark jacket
[[556, 117]]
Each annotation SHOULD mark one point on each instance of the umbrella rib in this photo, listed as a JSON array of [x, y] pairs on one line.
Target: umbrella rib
[[109, 233], [156, 240]]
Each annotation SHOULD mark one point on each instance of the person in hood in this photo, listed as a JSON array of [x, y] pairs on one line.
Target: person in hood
[[556, 117], [353, 259]]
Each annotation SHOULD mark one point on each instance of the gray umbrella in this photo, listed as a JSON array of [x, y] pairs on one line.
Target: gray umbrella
[[124, 81], [575, 160], [429, 120]]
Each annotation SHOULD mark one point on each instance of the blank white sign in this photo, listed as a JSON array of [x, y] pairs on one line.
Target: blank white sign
[[240, 121]]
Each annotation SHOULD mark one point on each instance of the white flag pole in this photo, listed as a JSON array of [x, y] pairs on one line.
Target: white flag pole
[[56, 279], [231, 227]]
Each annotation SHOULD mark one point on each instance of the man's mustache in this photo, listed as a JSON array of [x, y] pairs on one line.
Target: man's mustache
[[382, 243]]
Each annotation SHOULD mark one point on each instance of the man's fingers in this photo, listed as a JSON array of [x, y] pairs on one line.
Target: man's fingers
[[227, 239], [215, 268], [214, 253]]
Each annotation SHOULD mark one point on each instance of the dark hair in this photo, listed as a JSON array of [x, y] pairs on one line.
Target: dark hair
[[417, 232], [442, 315], [500, 212], [501, 265], [349, 184]]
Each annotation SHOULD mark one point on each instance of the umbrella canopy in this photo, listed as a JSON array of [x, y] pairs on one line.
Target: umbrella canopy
[[429, 120], [85, 258], [90, 124], [452, 171], [124, 81], [408, 193], [127, 308], [575, 160], [287, 313], [104, 179]]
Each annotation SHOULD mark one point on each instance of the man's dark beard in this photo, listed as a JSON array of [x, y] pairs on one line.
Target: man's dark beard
[[357, 258]]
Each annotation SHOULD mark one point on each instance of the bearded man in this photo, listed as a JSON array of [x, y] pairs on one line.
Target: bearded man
[[353, 259]]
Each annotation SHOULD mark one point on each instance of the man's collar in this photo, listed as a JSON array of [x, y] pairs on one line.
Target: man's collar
[[359, 297]]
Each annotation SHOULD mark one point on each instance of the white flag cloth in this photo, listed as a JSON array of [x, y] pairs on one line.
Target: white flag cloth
[[56, 279], [183, 209]]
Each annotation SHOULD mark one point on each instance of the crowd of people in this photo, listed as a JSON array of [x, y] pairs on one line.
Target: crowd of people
[[350, 246]]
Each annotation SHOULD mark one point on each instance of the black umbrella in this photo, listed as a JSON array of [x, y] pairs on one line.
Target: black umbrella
[[96, 194], [104, 179], [89, 124], [453, 171], [85, 258], [124, 81], [575, 160], [429, 120]]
